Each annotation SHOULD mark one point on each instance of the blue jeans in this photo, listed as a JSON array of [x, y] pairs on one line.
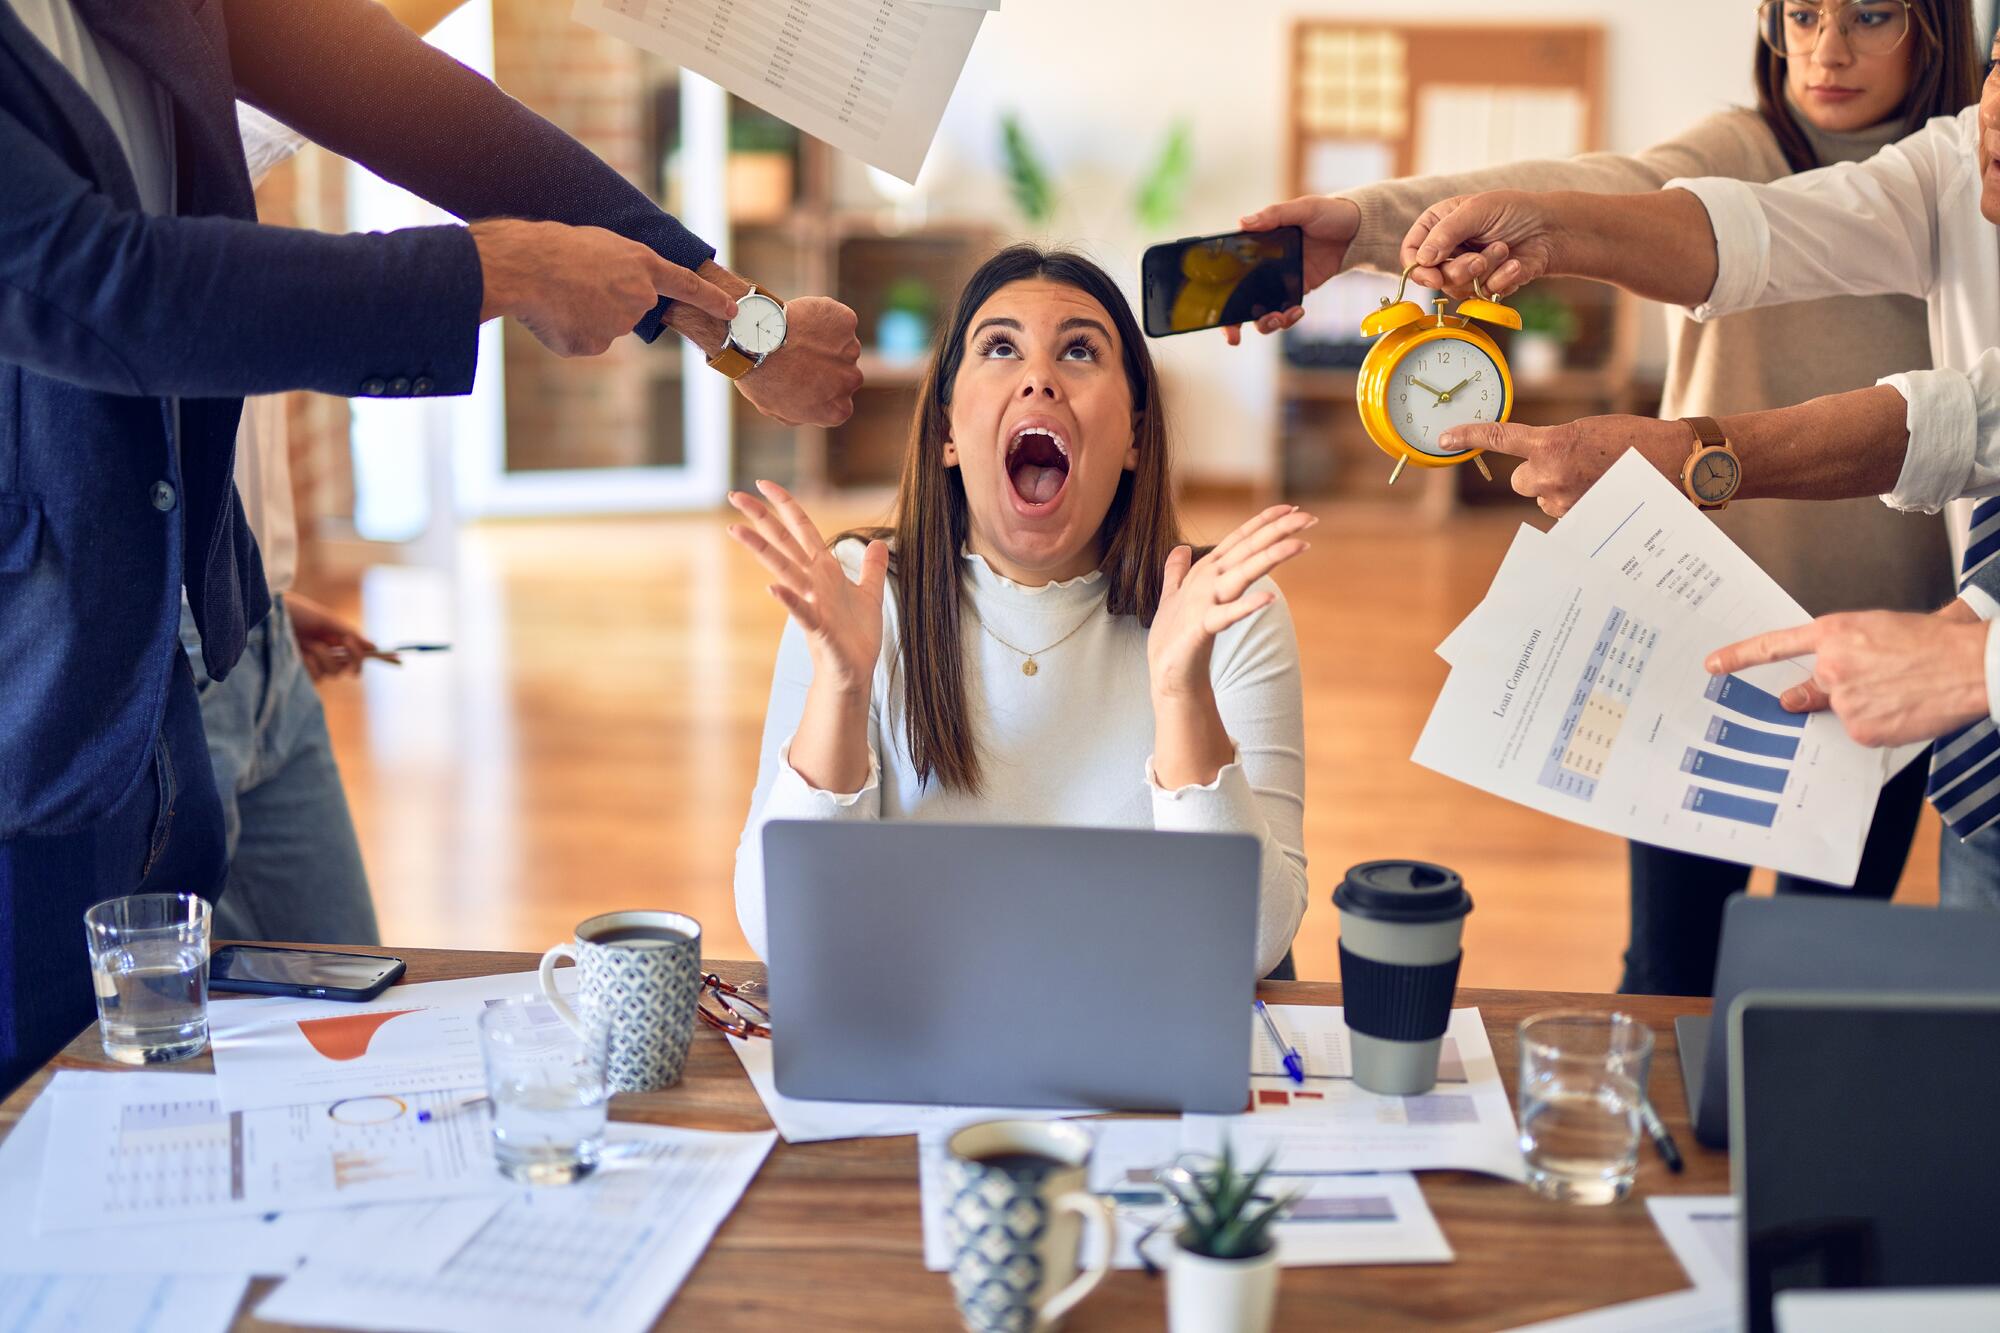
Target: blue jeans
[[1969, 869], [295, 869], [166, 837]]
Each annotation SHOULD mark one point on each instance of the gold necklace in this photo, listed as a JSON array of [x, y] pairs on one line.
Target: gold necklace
[[1028, 665]]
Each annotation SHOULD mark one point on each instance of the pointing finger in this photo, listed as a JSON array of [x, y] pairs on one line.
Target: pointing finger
[[1778, 645], [680, 284]]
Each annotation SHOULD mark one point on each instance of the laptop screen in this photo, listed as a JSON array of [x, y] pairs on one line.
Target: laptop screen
[[1868, 1133]]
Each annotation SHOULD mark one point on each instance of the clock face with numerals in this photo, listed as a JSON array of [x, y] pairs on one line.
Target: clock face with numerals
[[1441, 383]]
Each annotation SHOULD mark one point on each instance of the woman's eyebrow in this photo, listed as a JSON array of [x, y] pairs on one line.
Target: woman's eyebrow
[[1079, 322], [1002, 322]]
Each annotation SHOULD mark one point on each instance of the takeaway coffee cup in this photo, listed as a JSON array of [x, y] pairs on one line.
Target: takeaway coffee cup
[[1400, 923]]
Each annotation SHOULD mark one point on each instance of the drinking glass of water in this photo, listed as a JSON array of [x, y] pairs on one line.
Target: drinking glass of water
[[1583, 1077], [149, 966], [549, 1094]]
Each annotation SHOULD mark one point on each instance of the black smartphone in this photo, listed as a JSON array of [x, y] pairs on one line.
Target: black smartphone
[[315, 974], [1205, 282]]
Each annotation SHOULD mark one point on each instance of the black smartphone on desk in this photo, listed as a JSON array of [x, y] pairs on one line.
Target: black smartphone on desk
[[1205, 282], [313, 974]]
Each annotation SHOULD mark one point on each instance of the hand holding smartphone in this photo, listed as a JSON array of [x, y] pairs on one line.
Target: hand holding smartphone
[[1206, 282]]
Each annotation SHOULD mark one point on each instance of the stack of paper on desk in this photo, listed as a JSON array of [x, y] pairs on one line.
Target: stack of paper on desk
[[376, 1219], [1578, 688]]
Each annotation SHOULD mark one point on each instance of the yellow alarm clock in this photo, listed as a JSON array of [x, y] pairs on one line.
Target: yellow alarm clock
[[1430, 372]]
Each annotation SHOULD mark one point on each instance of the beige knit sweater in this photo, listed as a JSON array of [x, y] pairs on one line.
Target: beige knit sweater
[[1830, 555]]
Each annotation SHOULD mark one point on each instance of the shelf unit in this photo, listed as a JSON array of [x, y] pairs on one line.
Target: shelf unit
[[1363, 86]]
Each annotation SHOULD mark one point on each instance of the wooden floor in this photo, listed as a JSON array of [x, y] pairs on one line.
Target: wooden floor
[[591, 741]]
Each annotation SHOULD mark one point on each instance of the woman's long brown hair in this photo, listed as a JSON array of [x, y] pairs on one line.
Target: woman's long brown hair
[[931, 523], [1944, 76]]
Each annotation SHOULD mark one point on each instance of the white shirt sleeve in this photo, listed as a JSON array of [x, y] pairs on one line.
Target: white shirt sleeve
[[1865, 229], [781, 792], [266, 142], [1985, 607], [1257, 691]]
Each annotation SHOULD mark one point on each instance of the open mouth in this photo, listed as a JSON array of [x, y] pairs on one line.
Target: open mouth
[[1037, 465]]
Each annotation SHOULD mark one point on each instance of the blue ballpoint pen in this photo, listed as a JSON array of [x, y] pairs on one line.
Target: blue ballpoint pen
[[1293, 1064]]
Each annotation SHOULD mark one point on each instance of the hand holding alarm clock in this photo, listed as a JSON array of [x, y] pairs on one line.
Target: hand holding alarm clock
[[1429, 372]]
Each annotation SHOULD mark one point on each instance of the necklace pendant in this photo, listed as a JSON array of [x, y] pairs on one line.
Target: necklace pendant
[[1028, 668]]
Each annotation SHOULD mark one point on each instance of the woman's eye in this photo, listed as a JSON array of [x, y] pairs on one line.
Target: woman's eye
[[1080, 351], [998, 347]]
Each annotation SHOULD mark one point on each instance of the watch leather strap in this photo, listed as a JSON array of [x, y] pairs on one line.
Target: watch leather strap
[[1707, 433], [731, 361]]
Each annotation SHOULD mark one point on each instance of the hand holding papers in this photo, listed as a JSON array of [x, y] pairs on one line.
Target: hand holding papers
[[1579, 688]]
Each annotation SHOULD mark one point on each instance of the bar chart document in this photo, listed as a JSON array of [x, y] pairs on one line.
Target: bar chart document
[[1579, 688], [870, 77]]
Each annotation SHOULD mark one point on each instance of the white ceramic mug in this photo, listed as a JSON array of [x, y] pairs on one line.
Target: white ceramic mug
[[1014, 1228], [639, 985]]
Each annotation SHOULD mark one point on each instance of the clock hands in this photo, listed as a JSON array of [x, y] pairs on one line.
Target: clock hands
[[1445, 397], [1441, 397]]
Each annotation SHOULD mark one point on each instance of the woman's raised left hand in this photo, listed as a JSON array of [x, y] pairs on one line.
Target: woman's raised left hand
[[1201, 598]]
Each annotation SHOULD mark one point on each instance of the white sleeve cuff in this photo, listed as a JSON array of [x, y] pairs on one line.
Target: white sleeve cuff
[[791, 787], [1992, 668], [1983, 605], [1742, 243], [1943, 418], [1176, 793]]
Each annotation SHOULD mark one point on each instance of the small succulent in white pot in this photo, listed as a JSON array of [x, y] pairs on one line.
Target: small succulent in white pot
[[1223, 1277]]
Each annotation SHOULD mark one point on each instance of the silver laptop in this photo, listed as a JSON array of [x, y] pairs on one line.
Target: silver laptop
[[995, 965], [1817, 943]]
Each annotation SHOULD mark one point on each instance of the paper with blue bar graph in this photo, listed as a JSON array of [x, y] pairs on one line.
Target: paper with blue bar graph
[[1578, 688]]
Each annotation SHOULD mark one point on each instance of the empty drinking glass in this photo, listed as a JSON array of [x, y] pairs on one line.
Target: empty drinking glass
[[548, 1090], [149, 967], [1583, 1077]]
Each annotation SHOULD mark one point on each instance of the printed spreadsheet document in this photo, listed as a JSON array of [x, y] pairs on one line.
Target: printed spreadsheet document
[[870, 77]]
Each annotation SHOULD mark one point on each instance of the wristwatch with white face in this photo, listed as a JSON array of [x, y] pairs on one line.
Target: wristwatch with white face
[[757, 331], [1712, 471]]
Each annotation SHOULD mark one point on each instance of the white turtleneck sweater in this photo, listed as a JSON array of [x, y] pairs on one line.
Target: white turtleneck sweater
[[1072, 744]]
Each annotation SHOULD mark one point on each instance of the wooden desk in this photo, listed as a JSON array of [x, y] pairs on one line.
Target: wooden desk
[[829, 1237]]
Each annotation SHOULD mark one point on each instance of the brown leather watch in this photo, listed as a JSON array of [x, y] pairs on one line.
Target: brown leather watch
[[1712, 471], [757, 331]]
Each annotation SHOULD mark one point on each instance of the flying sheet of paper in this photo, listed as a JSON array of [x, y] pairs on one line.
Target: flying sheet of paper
[[159, 1148], [1579, 688], [1862, 1310], [1702, 1232], [1699, 1310], [1356, 1219], [1331, 1126], [804, 1121], [606, 1254], [107, 1303], [870, 77]]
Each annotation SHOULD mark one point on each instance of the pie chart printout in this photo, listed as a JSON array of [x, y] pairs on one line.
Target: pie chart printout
[[348, 1036]]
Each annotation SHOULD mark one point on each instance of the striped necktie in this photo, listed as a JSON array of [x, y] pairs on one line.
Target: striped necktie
[[1965, 764]]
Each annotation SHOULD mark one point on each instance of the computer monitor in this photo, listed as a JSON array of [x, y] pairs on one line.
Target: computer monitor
[[1864, 1142]]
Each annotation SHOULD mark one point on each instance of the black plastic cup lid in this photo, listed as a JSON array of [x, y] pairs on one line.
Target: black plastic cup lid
[[1416, 892]]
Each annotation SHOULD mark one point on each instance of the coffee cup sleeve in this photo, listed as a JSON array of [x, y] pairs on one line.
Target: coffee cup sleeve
[[1398, 1001]]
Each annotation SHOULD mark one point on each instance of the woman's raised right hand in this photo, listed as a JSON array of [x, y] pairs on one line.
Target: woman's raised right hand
[[842, 619]]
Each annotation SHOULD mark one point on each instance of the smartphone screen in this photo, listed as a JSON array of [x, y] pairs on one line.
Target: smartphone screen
[[304, 968], [1205, 282]]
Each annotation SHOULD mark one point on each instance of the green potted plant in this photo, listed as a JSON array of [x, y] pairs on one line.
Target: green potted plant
[[1548, 324], [1223, 1277], [759, 174], [1034, 193], [909, 308]]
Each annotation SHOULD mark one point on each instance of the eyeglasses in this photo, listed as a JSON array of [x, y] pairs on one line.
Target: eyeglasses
[[1867, 27], [729, 1009]]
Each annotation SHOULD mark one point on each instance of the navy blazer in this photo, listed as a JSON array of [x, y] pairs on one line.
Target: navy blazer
[[108, 315]]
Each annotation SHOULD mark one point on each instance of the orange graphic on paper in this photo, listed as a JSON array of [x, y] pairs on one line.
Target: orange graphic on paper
[[346, 1037]]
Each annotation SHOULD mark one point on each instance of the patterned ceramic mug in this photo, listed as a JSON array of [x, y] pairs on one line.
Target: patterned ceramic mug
[[1018, 1196], [641, 979]]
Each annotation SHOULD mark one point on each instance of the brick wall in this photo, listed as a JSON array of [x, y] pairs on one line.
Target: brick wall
[[584, 412]]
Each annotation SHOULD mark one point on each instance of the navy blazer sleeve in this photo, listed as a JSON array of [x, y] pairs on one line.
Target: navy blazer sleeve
[[132, 303], [346, 75]]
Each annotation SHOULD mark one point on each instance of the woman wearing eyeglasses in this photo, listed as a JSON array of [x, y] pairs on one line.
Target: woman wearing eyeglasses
[[1835, 83], [1031, 640]]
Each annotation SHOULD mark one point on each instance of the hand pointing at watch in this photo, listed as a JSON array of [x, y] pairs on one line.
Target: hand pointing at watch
[[809, 378]]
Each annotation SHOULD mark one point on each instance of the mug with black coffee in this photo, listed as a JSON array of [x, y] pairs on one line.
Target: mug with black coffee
[[639, 983], [1017, 1195], [1400, 923]]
